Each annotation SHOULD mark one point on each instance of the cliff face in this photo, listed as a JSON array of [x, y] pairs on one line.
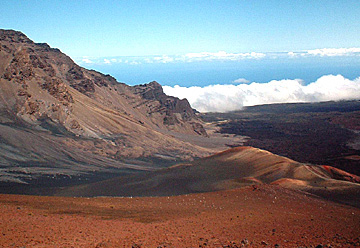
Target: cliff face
[[43, 90], [173, 111]]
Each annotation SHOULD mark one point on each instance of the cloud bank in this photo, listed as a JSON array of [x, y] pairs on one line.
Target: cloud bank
[[223, 98], [220, 56], [332, 52]]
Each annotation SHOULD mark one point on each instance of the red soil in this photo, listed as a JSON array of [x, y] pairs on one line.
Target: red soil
[[230, 151], [262, 215], [341, 175]]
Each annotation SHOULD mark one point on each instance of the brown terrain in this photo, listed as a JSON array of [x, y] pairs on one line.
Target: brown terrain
[[254, 199], [234, 168], [318, 133], [262, 216], [114, 165], [61, 122]]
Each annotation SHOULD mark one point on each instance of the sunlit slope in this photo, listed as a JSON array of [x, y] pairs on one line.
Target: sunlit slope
[[233, 168], [57, 118]]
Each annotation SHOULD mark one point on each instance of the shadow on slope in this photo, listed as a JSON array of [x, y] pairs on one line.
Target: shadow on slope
[[233, 168]]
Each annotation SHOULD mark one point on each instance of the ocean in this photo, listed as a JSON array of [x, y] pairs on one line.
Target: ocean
[[204, 73]]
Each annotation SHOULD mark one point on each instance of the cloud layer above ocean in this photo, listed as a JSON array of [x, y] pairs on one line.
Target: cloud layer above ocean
[[219, 56], [223, 98]]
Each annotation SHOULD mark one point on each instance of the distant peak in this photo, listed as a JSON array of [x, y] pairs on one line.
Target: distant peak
[[152, 86], [13, 36], [154, 83]]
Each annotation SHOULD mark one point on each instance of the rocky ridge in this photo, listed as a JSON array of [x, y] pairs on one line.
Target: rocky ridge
[[44, 94], [24, 61]]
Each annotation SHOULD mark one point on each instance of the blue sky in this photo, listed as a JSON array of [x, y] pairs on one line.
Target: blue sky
[[140, 28]]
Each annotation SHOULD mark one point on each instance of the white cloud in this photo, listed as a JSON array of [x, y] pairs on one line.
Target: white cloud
[[163, 59], [221, 55], [241, 81], [223, 98], [331, 52], [292, 54], [132, 62], [322, 52], [87, 61]]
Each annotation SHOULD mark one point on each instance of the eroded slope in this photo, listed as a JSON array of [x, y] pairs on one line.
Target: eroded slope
[[53, 107], [234, 168]]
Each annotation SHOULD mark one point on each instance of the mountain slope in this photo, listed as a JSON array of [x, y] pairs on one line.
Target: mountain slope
[[48, 100], [39, 81], [233, 168]]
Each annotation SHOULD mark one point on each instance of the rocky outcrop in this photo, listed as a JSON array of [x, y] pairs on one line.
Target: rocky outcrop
[[168, 104], [173, 110]]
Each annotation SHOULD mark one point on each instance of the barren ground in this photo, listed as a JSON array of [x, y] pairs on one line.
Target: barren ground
[[318, 133], [266, 215]]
